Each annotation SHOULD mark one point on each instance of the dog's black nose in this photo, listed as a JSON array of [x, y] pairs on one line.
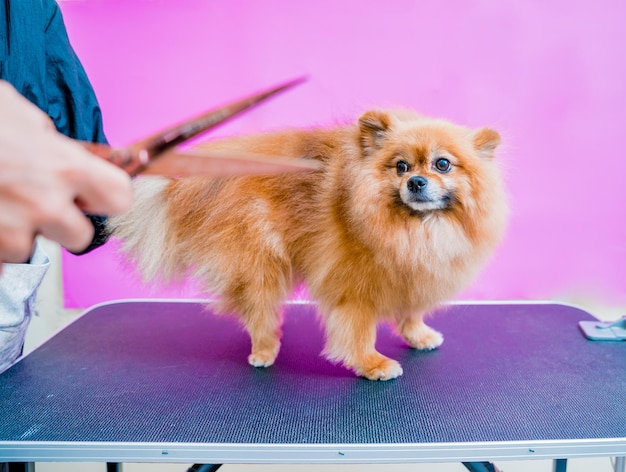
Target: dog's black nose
[[416, 184]]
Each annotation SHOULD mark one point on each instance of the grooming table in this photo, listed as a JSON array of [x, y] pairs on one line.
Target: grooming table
[[168, 381]]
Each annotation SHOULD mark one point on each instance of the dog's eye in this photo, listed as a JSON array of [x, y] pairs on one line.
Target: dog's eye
[[443, 165], [402, 167]]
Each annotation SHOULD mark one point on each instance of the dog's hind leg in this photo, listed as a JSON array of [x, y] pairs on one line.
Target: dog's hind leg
[[264, 327], [263, 323], [255, 297], [417, 333]]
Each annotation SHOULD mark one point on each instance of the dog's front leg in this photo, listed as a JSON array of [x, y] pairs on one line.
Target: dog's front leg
[[351, 339]]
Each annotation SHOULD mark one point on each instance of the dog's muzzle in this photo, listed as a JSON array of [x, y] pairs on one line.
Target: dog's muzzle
[[418, 188]]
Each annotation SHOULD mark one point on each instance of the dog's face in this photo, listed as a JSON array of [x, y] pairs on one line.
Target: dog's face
[[422, 183], [427, 165]]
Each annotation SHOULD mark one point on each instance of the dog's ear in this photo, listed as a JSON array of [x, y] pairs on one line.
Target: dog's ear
[[486, 141], [373, 126]]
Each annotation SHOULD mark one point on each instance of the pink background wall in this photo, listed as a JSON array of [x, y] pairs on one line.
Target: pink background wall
[[549, 75]]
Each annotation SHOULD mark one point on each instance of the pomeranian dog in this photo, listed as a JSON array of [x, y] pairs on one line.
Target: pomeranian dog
[[401, 215]]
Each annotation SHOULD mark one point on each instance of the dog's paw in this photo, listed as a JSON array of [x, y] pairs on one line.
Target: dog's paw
[[379, 367], [263, 358], [423, 337]]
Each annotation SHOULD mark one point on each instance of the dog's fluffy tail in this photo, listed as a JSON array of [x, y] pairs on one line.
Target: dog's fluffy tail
[[143, 231]]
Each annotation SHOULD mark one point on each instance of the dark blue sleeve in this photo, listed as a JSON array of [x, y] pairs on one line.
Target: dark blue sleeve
[[72, 103]]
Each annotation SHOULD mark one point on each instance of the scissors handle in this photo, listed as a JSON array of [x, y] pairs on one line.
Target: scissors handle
[[129, 159]]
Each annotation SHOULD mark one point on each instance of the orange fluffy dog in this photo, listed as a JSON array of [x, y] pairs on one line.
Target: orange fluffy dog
[[400, 217]]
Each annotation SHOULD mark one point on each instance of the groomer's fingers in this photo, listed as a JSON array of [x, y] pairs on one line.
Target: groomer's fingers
[[72, 230], [105, 190], [100, 187]]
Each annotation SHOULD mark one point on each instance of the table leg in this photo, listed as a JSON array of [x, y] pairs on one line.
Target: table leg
[[559, 465], [204, 467], [17, 467], [114, 467], [480, 467], [620, 464]]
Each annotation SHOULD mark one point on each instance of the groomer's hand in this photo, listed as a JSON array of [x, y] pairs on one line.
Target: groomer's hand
[[47, 181]]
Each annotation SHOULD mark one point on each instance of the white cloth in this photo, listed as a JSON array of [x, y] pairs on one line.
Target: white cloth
[[18, 290]]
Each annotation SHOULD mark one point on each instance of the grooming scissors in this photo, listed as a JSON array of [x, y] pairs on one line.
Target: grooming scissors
[[157, 154]]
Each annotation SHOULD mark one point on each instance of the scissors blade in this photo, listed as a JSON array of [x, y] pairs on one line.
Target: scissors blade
[[137, 157], [190, 163], [158, 143]]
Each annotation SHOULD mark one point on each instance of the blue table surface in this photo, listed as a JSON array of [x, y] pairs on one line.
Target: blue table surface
[[172, 372]]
